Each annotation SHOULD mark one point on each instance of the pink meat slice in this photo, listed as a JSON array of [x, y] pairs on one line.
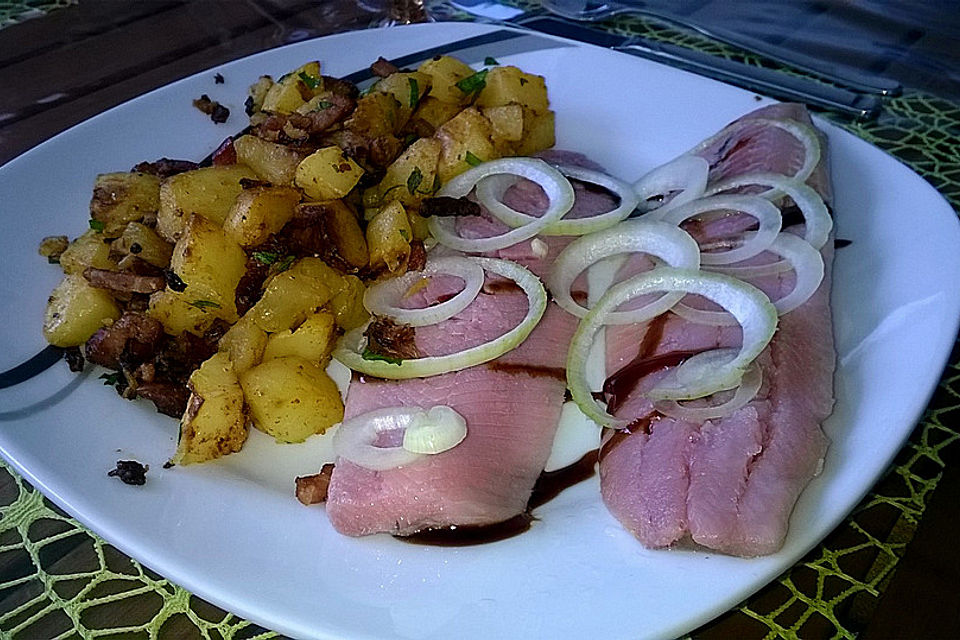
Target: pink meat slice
[[728, 484], [512, 405]]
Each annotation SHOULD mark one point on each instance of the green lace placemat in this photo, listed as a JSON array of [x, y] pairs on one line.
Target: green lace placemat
[[831, 593], [14, 11]]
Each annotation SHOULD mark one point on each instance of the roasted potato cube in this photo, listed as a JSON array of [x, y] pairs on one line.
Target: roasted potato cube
[[412, 176], [75, 310], [291, 398], [388, 237], [408, 89], [215, 422], [178, 314], [465, 141], [211, 264], [295, 293], [87, 250], [346, 246], [244, 343], [445, 72], [293, 89], [538, 132], [209, 192], [275, 163], [312, 340], [347, 305], [377, 114], [142, 241], [259, 212], [507, 85], [507, 123], [435, 112], [327, 174], [119, 198]]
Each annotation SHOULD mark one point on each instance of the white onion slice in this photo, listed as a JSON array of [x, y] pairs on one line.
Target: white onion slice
[[349, 349], [354, 439], [490, 192], [817, 220], [382, 298], [806, 262], [558, 189], [766, 213], [665, 241], [698, 376], [686, 174], [434, 431], [805, 134], [429, 432], [747, 391]]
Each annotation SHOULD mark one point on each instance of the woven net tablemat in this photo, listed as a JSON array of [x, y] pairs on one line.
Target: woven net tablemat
[[14, 11], [832, 592]]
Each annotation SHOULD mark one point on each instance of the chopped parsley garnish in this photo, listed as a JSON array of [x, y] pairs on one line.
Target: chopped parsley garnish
[[265, 257], [414, 92], [474, 83], [404, 234], [96, 225], [409, 139], [204, 304], [473, 160], [413, 182], [436, 184], [113, 379], [490, 62], [323, 105], [373, 355], [284, 264], [311, 81]]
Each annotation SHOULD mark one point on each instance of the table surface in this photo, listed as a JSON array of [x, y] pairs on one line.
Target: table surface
[[888, 571]]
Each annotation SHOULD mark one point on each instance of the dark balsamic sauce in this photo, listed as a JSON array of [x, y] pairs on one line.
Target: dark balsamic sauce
[[533, 371], [548, 486]]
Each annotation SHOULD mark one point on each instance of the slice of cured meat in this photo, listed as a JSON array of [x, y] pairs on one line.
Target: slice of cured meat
[[729, 484], [512, 405]]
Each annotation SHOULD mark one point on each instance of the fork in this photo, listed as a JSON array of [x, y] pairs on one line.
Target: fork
[[589, 11]]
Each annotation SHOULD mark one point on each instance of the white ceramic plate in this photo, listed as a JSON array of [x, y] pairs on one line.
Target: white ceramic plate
[[232, 532]]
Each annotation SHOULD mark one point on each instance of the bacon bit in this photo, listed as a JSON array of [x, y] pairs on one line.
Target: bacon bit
[[313, 489], [217, 112], [446, 206], [387, 338], [383, 67], [165, 167], [225, 154], [418, 256], [123, 282], [130, 472]]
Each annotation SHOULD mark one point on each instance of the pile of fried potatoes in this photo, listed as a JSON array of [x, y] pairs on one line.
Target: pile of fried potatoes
[[204, 226]]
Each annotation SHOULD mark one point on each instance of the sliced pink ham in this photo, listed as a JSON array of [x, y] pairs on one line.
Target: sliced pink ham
[[728, 484]]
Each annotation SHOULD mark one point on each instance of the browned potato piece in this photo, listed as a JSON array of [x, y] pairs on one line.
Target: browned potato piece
[[87, 250], [259, 212], [295, 293], [347, 305], [445, 72], [75, 310], [177, 314], [142, 241], [435, 112], [388, 237], [293, 89], [338, 223], [275, 163], [412, 177], [119, 198], [408, 89], [327, 174], [291, 399], [507, 122], [244, 343], [538, 132], [465, 141], [377, 114], [211, 264], [313, 340], [209, 192], [215, 422], [507, 85]]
